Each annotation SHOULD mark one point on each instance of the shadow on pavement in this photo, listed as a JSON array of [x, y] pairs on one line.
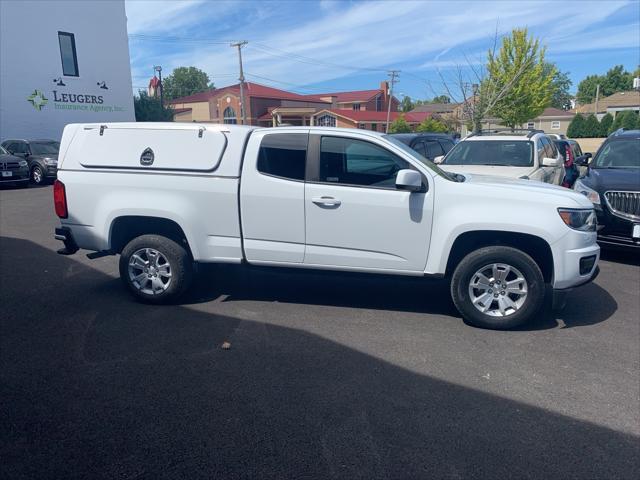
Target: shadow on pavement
[[94, 385]]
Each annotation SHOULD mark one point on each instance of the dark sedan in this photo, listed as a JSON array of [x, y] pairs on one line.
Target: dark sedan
[[13, 170]]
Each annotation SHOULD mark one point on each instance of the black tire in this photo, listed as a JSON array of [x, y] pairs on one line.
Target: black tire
[[482, 257], [180, 264], [37, 176]]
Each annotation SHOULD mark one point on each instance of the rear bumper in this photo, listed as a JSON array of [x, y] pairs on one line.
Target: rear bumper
[[65, 236]]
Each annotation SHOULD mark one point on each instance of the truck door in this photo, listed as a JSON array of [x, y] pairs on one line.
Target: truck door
[[272, 197], [355, 216]]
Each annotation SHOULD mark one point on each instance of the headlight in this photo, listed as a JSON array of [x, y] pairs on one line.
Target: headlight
[[583, 219], [590, 193], [23, 163], [50, 161]]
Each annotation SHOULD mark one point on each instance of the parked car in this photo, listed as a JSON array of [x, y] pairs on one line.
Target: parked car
[[41, 155], [13, 169], [524, 154], [169, 195], [612, 183], [557, 136], [571, 156], [429, 145]]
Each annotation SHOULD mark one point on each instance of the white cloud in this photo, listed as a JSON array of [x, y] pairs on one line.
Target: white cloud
[[372, 35]]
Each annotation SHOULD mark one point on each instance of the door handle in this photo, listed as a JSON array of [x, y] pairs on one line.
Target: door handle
[[330, 201]]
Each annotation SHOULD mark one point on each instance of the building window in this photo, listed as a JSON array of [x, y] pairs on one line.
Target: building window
[[283, 155], [230, 116], [68, 54], [374, 127], [531, 125], [356, 107], [362, 126], [555, 125], [326, 121]]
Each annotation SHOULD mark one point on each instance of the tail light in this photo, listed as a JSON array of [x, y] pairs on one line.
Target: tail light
[[568, 156], [60, 199]]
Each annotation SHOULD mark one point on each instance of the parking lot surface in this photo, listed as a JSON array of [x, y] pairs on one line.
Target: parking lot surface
[[327, 376]]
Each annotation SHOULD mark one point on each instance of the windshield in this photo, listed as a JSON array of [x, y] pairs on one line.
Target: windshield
[[3, 151], [618, 154], [505, 153], [49, 148], [432, 166]]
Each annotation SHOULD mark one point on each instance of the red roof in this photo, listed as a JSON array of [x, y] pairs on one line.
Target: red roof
[[250, 90], [375, 116], [355, 96]]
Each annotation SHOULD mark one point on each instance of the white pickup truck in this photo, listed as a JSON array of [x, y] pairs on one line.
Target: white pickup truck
[[168, 195]]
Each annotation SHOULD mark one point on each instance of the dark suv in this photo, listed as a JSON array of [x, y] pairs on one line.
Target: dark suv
[[429, 145], [612, 183], [13, 169], [42, 156]]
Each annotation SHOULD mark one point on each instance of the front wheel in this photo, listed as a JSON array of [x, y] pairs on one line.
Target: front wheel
[[37, 175], [497, 287], [155, 269]]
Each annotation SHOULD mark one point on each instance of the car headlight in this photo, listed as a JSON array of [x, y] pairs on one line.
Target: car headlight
[[582, 219], [590, 193], [23, 163], [50, 161]]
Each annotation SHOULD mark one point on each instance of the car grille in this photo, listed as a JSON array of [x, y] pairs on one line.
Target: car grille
[[8, 165], [626, 204]]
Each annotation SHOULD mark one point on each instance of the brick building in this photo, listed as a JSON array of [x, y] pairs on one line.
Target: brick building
[[268, 106]]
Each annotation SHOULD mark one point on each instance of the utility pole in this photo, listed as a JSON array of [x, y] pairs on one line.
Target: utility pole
[[393, 74], [243, 112], [597, 98]]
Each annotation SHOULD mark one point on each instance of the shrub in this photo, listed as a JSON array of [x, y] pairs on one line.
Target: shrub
[[576, 127], [605, 125], [432, 125], [399, 125], [591, 127]]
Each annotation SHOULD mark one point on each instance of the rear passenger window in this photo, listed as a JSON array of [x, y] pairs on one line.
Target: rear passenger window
[[283, 155]]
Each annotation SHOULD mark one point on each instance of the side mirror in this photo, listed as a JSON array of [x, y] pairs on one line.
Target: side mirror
[[438, 160], [550, 162], [583, 160], [409, 180]]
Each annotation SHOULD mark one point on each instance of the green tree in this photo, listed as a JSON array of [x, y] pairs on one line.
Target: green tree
[[560, 85], [519, 67], [399, 125], [440, 99], [605, 125], [185, 81], [149, 109], [591, 127], [628, 120], [432, 125], [406, 105], [576, 128], [617, 79]]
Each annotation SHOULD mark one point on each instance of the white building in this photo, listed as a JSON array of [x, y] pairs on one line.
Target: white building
[[62, 62]]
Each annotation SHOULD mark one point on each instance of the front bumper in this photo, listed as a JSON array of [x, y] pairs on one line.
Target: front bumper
[[569, 253], [16, 176], [616, 231]]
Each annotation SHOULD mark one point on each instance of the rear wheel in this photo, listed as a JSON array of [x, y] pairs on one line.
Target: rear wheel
[[155, 269], [497, 287]]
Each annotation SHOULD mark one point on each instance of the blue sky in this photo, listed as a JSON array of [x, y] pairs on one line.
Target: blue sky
[[311, 46]]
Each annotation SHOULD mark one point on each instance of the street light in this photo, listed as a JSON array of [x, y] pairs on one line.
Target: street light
[[158, 68]]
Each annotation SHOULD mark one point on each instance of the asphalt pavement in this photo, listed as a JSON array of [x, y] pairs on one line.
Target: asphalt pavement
[[327, 375]]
